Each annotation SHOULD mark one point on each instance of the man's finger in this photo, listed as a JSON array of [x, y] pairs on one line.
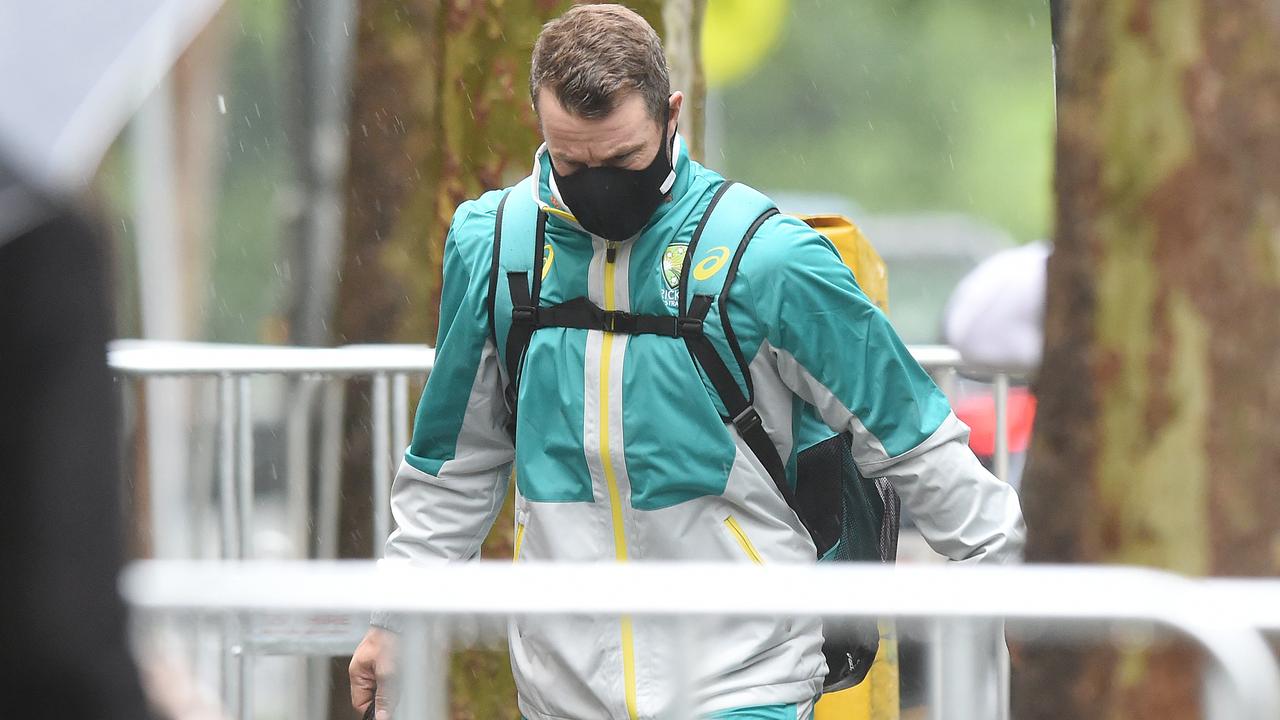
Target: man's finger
[[362, 679], [382, 703]]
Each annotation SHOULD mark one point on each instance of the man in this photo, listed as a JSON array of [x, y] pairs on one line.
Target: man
[[622, 452]]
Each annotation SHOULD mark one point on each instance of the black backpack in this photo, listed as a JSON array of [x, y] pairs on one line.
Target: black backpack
[[849, 517]]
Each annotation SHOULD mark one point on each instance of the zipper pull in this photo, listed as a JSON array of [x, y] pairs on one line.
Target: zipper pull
[[610, 251]]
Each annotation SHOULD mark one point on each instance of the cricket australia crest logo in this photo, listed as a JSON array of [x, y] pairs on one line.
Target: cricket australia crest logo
[[672, 264]]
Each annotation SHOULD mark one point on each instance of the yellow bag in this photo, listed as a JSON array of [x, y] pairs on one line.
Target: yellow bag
[[857, 252], [876, 697]]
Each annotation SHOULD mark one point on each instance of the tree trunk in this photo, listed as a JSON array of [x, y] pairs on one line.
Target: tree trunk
[[681, 30], [440, 113], [1161, 382]]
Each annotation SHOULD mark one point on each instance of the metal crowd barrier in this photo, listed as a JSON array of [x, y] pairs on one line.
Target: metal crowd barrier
[[389, 367], [1240, 682]]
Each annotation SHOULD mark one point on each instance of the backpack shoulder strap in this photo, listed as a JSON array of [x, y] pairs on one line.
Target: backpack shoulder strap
[[735, 214], [515, 278]]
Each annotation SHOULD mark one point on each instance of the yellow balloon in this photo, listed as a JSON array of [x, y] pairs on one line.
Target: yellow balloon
[[737, 35]]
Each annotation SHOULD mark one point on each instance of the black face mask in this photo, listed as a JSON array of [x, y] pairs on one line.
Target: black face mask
[[613, 202]]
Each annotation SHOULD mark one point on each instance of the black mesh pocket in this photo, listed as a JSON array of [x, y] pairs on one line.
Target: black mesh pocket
[[851, 519], [891, 520], [819, 476], [870, 514]]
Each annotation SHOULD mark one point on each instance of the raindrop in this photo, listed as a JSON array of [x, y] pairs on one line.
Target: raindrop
[[222, 104]]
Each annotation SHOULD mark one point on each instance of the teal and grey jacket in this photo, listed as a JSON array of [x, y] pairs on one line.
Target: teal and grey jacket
[[622, 454]]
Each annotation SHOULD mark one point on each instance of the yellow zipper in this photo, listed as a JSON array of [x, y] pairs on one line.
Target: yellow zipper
[[611, 481], [515, 555], [741, 536]]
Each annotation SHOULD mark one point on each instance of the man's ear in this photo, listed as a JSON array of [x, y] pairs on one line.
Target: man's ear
[[675, 102]]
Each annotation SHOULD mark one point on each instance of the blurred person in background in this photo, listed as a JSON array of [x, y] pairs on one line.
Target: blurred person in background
[[995, 320], [622, 452], [63, 649]]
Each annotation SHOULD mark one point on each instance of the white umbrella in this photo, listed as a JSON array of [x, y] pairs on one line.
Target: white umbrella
[[72, 72]]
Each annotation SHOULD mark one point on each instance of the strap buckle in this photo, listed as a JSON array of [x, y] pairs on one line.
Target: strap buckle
[[688, 326], [617, 321], [748, 421], [524, 315]]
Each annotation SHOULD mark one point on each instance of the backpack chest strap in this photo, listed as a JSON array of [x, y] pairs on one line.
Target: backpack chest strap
[[582, 314]]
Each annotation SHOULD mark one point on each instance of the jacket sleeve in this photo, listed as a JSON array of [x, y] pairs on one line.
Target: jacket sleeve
[[452, 482], [838, 352]]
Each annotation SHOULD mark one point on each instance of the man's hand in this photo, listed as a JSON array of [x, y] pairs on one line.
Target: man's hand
[[372, 673]]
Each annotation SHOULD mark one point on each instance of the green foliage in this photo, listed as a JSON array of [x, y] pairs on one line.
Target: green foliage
[[250, 169], [902, 106], [246, 283]]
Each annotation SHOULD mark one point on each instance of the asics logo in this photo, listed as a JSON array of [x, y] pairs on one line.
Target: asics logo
[[712, 263]]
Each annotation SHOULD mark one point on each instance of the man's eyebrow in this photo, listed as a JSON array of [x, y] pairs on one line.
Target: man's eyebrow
[[616, 155], [626, 150]]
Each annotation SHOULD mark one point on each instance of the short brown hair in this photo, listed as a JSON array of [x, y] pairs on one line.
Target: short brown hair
[[593, 55]]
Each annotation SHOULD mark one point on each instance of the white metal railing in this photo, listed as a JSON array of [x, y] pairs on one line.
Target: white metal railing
[[1241, 680], [389, 368]]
